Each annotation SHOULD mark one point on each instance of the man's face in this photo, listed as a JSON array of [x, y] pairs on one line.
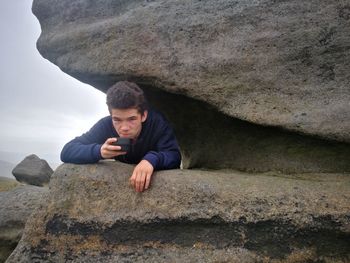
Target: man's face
[[128, 122]]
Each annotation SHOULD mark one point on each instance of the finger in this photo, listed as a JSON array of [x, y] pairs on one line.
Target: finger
[[110, 144], [112, 147], [141, 181], [111, 154], [138, 180], [132, 179], [108, 150], [104, 152], [148, 180], [111, 140]]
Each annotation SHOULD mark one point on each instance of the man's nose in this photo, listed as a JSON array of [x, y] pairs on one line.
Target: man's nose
[[124, 126]]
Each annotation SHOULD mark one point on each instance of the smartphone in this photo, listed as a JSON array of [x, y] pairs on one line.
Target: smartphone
[[124, 143]]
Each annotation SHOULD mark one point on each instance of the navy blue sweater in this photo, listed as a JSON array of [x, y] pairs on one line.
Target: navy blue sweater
[[156, 144]]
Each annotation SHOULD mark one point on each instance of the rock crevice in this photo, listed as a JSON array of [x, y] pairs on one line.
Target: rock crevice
[[210, 139]]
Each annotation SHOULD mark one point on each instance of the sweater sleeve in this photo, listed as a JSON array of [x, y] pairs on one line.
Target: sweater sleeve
[[87, 147], [167, 153]]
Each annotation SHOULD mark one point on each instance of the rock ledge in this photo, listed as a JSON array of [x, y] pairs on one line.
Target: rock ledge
[[93, 215]]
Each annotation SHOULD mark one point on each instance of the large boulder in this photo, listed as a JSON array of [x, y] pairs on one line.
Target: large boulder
[[93, 215], [276, 63], [221, 71], [16, 205], [33, 170]]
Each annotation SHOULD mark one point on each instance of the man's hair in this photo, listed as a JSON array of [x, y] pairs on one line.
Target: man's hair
[[126, 95]]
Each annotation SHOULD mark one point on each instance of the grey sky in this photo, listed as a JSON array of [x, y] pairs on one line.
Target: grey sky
[[41, 107]]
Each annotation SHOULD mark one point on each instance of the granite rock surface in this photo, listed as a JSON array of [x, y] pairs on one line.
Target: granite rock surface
[[272, 63], [33, 170], [93, 215], [16, 205]]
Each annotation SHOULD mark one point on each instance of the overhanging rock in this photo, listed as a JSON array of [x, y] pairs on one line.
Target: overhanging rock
[[275, 63], [234, 77], [212, 140], [93, 215]]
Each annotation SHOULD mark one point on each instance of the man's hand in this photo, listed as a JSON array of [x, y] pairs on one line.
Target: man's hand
[[108, 150], [141, 176]]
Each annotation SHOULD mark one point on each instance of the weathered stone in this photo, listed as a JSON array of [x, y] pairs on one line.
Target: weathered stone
[[33, 170], [210, 140], [93, 215], [276, 63], [16, 206]]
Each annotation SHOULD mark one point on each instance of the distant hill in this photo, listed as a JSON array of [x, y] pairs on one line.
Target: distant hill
[[7, 184], [6, 169]]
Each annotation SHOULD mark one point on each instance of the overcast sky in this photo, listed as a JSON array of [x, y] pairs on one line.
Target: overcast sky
[[41, 108]]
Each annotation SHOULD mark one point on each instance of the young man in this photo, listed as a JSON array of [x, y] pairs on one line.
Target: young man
[[154, 146]]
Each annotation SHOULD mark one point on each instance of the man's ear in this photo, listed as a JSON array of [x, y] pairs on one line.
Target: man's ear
[[144, 116]]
